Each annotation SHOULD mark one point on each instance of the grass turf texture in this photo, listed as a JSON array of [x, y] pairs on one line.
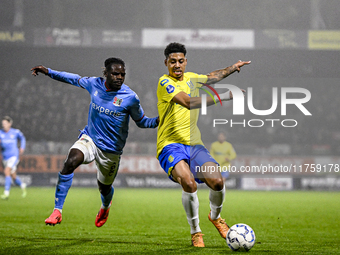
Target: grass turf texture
[[152, 221]]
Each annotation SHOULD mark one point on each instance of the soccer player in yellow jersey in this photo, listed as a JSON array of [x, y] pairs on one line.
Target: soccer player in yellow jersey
[[179, 147], [223, 152]]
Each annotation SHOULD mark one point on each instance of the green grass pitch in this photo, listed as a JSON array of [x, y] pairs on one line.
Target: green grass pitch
[[152, 221]]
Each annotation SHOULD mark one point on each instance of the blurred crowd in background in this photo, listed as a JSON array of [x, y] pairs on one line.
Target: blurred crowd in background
[[132, 14], [50, 114]]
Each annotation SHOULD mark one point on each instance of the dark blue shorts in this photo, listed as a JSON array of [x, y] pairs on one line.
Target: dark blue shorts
[[195, 156]]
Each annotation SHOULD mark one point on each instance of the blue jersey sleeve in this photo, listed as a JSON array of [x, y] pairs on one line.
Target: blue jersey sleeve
[[138, 115], [74, 79], [147, 122], [88, 82], [70, 78], [22, 140]]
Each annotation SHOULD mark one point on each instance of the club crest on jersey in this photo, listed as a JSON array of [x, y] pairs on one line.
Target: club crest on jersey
[[117, 101], [85, 140], [190, 84]]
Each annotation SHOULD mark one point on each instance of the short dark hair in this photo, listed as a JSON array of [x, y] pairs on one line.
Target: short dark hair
[[110, 61], [174, 48], [9, 119]]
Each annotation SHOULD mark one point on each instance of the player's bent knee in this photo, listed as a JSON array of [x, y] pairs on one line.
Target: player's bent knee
[[71, 164], [7, 171], [189, 185], [217, 184], [74, 159]]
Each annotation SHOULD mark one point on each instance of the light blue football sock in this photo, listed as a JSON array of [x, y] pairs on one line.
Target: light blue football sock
[[8, 182], [64, 184], [106, 200], [17, 181]]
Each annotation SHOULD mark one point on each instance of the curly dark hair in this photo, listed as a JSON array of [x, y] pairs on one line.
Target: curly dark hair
[[110, 61], [174, 48]]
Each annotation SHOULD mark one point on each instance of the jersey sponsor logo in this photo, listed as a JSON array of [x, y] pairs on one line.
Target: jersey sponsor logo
[[170, 89], [117, 101], [102, 109]]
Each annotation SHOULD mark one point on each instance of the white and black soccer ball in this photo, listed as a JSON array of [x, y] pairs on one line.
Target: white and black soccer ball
[[240, 237]]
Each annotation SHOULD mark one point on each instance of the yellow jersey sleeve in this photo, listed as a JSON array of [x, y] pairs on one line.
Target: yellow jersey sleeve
[[166, 89]]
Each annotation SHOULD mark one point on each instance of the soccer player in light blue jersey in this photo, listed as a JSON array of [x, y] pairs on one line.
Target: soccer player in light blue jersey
[[9, 138], [103, 138]]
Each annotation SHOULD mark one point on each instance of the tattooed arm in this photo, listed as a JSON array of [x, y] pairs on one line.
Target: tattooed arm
[[218, 75]]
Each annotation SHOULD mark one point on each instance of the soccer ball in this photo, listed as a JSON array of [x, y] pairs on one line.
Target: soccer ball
[[240, 237]]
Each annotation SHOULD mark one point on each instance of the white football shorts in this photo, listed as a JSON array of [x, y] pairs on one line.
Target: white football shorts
[[107, 163], [12, 162]]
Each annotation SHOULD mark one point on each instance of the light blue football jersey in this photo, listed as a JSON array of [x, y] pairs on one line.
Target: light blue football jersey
[[9, 143], [109, 111]]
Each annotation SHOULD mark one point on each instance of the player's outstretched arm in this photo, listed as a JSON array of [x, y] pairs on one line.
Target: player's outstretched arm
[[146, 122], [56, 75], [138, 115], [188, 102], [219, 75]]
